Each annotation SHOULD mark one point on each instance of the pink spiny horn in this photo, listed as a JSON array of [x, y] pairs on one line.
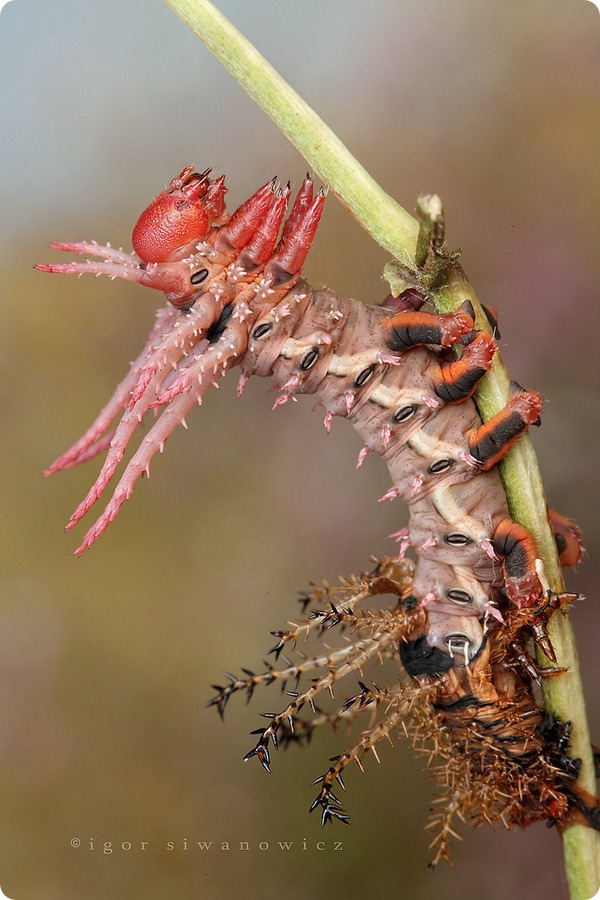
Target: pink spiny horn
[[229, 278], [173, 416], [172, 278], [166, 232], [178, 403], [209, 365], [81, 450], [246, 219], [260, 246], [303, 200], [292, 250]]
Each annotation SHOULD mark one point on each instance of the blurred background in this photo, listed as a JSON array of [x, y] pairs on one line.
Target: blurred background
[[106, 661]]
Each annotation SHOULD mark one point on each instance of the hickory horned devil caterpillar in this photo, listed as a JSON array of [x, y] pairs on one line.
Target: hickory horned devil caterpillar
[[463, 615]]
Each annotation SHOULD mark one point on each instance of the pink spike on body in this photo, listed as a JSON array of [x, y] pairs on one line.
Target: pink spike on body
[[283, 398], [488, 548], [185, 227], [385, 434], [81, 450], [292, 382], [428, 544], [492, 610], [362, 456], [391, 494], [416, 485], [388, 359], [431, 401], [243, 381], [464, 457], [173, 416], [402, 538]]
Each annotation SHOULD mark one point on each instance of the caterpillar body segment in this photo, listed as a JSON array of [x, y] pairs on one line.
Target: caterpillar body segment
[[465, 612]]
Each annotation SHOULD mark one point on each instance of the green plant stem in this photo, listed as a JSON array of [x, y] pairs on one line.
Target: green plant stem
[[390, 225], [397, 231]]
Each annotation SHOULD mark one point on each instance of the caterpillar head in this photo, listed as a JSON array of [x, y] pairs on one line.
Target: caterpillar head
[[219, 274], [181, 215]]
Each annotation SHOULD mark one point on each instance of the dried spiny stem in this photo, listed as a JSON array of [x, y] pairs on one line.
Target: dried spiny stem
[[491, 751], [389, 576], [400, 700], [351, 593], [339, 663]]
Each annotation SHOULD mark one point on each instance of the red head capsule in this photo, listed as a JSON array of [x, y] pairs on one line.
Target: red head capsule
[[179, 215]]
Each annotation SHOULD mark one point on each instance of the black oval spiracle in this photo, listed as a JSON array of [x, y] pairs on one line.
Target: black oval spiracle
[[458, 596], [364, 376], [456, 539], [261, 330], [405, 413], [441, 465], [309, 359], [199, 277]]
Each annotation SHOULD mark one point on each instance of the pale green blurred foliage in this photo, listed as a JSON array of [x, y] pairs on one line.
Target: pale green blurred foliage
[[107, 661]]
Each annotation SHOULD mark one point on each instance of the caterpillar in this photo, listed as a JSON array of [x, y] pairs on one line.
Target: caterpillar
[[463, 614]]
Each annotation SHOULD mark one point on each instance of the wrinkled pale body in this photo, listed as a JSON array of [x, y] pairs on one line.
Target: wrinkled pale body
[[235, 298]]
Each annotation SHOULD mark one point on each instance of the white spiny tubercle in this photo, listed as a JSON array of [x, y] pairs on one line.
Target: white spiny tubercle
[[263, 288], [235, 272], [385, 434], [327, 421], [242, 311], [204, 249], [281, 312]]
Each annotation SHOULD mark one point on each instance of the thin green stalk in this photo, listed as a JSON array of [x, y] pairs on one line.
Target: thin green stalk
[[390, 225], [397, 231]]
